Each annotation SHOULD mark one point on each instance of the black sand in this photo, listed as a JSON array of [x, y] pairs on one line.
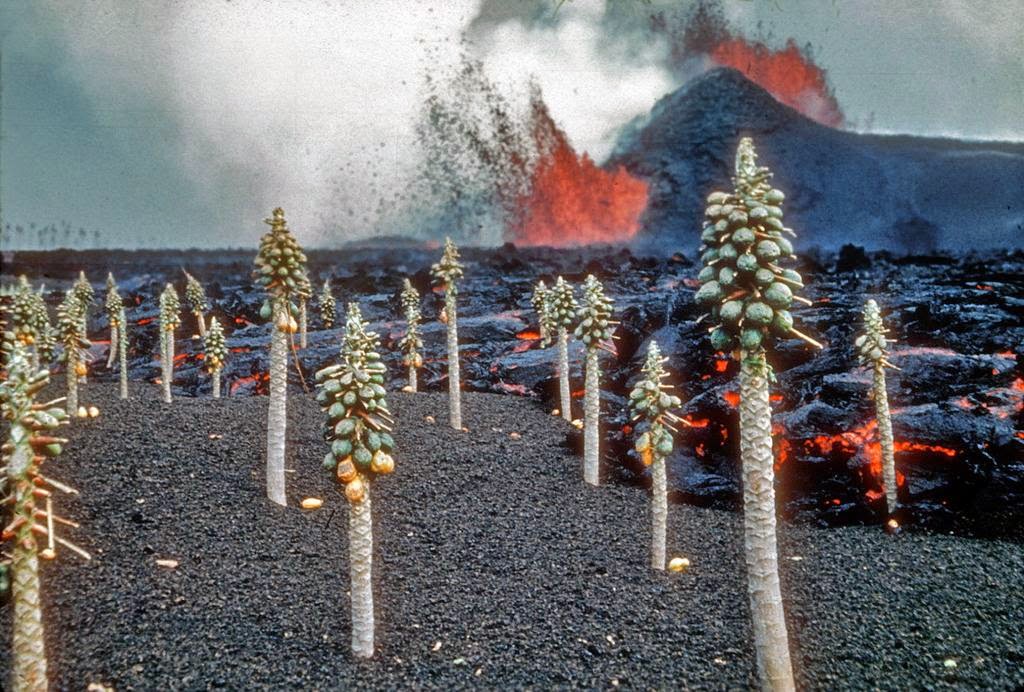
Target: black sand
[[496, 568]]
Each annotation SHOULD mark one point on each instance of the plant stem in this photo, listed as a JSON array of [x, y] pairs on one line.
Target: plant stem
[[216, 383], [454, 390], [200, 322], [563, 374], [771, 642], [591, 416], [659, 512], [122, 355], [885, 437], [70, 364], [360, 543], [113, 347], [168, 364], [277, 412], [412, 378], [302, 324]]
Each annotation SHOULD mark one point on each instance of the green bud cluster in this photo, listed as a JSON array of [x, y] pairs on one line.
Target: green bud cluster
[[352, 395], [170, 307], [747, 292], [22, 312], [69, 326], [594, 326], [84, 291], [114, 304], [17, 404], [560, 309], [449, 270], [652, 402], [872, 346], [45, 334], [411, 343], [280, 262], [214, 348], [537, 300], [327, 305], [195, 295]]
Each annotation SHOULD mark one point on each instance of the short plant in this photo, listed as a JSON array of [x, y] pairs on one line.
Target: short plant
[[353, 397], [216, 354], [411, 343], [594, 329], [651, 403], [537, 300], [281, 270], [113, 306], [873, 351], [69, 329], [446, 274], [170, 318], [30, 442], [328, 307], [749, 296], [195, 298], [558, 318]]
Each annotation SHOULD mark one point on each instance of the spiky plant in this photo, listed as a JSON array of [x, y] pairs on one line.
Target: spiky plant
[[749, 295], [446, 274], [281, 270], [873, 351], [170, 318], [86, 295], [216, 353], [328, 307], [537, 300], [305, 290], [411, 343], [29, 443], [22, 312], [195, 297], [559, 316], [594, 329], [651, 403], [113, 305], [353, 397], [45, 335], [69, 330]]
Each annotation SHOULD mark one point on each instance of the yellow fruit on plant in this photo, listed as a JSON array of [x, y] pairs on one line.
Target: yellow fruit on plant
[[355, 491], [346, 470], [80, 369], [382, 462]]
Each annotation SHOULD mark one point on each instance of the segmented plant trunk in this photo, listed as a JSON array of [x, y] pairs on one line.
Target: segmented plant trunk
[[85, 334], [200, 322], [412, 378], [216, 383], [360, 546], [454, 391], [302, 324], [168, 364], [122, 354], [112, 355], [277, 413], [565, 395], [659, 512], [591, 416], [70, 363], [34, 358], [28, 665], [885, 437], [769, 622]]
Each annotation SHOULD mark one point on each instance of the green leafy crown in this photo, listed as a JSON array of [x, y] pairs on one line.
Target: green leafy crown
[[214, 347], [448, 270], [195, 296], [651, 403], [594, 327], [170, 307], [280, 262]]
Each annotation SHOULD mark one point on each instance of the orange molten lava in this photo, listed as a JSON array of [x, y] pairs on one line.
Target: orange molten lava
[[570, 200]]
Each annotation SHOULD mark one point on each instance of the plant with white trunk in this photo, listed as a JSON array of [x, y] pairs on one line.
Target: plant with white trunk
[[216, 353], [411, 343], [594, 328], [538, 301], [749, 295], [651, 403], [304, 291], [113, 305], [446, 274], [86, 295], [170, 318], [75, 357], [558, 317], [281, 270], [328, 307], [873, 351], [195, 298], [30, 442], [122, 352], [353, 397]]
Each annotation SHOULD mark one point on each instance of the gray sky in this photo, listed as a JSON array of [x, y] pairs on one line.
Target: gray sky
[[183, 123]]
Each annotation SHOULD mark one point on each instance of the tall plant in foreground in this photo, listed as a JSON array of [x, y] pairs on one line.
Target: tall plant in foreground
[[69, 326], [353, 397], [873, 351], [651, 403], [29, 444], [281, 270], [595, 331], [170, 308], [195, 297], [558, 318], [411, 343], [216, 354], [113, 305], [446, 273], [749, 295], [328, 307]]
